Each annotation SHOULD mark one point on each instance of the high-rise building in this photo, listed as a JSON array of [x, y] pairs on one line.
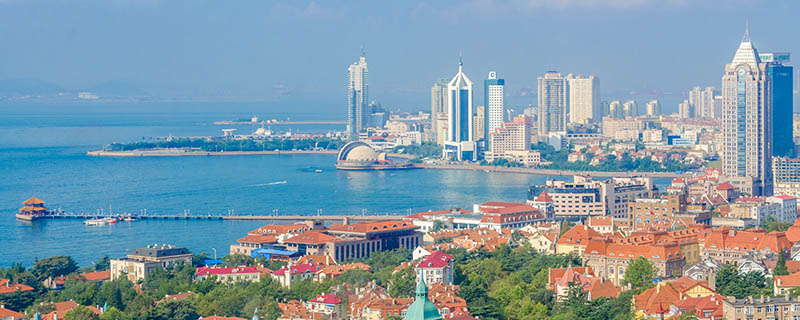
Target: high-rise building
[[615, 109], [782, 103], [695, 98], [494, 91], [747, 118], [514, 135], [480, 123], [553, 102], [584, 99], [629, 109], [686, 109], [357, 98], [438, 106], [460, 142], [653, 108], [706, 107]]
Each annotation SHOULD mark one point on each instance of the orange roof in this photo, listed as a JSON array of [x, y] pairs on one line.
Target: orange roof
[[177, 297], [316, 259], [627, 251], [281, 229], [601, 221], [367, 227], [33, 200], [259, 238], [659, 297], [725, 186], [729, 239], [685, 283], [579, 235], [62, 308], [97, 275], [311, 237], [557, 273], [32, 209], [544, 197], [792, 280], [6, 286], [6, 313], [600, 288], [793, 234], [335, 270]]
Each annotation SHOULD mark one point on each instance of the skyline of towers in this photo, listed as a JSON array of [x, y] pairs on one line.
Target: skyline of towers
[[584, 99], [438, 108], [358, 110], [653, 108], [782, 138], [553, 99], [494, 104], [747, 118]]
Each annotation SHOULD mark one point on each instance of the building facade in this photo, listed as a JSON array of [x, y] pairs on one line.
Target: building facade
[[139, 263], [747, 118], [782, 103], [653, 108], [438, 107], [775, 308], [358, 111], [553, 98], [584, 99], [494, 105], [460, 143], [610, 260]]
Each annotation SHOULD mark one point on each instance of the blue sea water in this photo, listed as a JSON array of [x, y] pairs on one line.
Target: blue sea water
[[43, 153]]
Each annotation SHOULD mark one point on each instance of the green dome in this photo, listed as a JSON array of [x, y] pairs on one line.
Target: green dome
[[422, 308]]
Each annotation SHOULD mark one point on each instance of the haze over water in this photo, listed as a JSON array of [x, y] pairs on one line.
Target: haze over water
[[43, 153]]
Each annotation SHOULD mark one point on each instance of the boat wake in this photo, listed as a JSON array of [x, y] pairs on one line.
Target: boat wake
[[269, 184]]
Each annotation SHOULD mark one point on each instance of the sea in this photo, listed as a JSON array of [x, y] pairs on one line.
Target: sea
[[43, 153]]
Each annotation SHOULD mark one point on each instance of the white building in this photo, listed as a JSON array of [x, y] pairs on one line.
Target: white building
[[584, 100], [553, 100], [357, 98], [436, 267], [747, 121], [653, 108], [139, 263], [460, 143], [494, 106]]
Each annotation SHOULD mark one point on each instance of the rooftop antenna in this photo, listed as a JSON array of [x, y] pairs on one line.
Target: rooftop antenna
[[460, 60], [746, 37], [363, 50]]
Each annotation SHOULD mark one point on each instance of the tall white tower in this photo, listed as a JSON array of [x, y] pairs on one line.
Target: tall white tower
[[494, 91], [357, 97], [460, 142]]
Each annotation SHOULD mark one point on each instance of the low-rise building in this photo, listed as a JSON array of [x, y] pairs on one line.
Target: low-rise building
[[290, 273], [7, 314], [327, 305], [783, 284], [139, 263], [356, 240], [729, 245], [436, 267], [585, 198], [230, 275], [610, 260], [776, 308], [574, 241], [643, 211]]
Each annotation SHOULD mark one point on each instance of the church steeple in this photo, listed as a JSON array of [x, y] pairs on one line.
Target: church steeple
[[422, 308]]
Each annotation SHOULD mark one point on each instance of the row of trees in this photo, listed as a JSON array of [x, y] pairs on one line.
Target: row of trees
[[217, 145], [560, 161]]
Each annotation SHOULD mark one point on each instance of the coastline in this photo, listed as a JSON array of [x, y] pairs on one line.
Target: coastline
[[183, 153], [553, 172]]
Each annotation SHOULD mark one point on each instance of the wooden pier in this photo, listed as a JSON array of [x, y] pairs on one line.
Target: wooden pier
[[86, 216]]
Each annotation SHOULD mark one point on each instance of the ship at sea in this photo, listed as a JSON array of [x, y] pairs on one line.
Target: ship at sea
[[32, 209]]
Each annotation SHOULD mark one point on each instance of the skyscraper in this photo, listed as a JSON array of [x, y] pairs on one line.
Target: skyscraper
[[695, 101], [358, 111], [615, 109], [494, 104], [706, 107], [747, 119], [438, 106], [782, 103], [460, 143], [584, 100], [686, 109], [653, 108], [553, 102], [630, 109]]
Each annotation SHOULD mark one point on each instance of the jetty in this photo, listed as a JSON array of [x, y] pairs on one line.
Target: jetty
[[323, 218]]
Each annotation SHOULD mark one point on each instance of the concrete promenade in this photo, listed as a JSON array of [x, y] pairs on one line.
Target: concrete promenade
[[554, 172]]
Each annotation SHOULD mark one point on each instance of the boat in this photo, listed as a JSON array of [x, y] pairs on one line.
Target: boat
[[129, 219], [318, 171], [111, 220], [96, 222]]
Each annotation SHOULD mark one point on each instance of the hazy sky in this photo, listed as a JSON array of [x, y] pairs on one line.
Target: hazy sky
[[258, 50]]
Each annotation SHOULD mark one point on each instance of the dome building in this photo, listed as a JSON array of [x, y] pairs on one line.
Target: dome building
[[358, 155]]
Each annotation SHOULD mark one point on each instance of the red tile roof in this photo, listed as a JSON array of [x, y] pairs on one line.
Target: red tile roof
[[649, 251], [311, 237], [544, 197], [205, 271], [785, 197], [436, 260], [368, 227], [792, 280], [6, 313], [725, 186], [33, 200], [6, 286], [729, 239], [579, 235], [657, 298], [260, 239], [557, 273], [300, 268], [97, 275], [327, 298]]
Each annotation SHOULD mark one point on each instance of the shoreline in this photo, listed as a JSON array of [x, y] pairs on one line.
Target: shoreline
[[536, 171], [183, 153]]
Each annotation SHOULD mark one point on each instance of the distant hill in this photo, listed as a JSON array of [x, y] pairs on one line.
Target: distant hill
[[28, 86], [117, 88]]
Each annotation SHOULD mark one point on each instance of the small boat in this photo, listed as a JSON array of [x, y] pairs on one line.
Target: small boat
[[129, 219], [318, 171], [111, 220], [96, 222]]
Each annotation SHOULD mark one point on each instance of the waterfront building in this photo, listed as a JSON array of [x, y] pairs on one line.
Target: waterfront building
[[747, 118], [553, 98], [228, 275], [438, 108], [494, 104], [610, 260], [630, 109], [499, 215], [142, 261], [436, 267], [653, 108], [585, 198], [32, 209], [358, 112], [460, 143], [359, 156], [782, 104], [514, 135], [422, 308], [584, 99]]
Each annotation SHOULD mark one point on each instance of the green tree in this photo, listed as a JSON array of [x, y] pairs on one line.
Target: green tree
[[54, 267], [113, 314], [780, 265], [403, 283], [81, 313], [103, 264], [438, 225], [640, 272], [173, 310]]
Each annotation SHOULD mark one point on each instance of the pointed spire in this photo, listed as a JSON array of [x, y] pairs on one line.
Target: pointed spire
[[460, 61], [746, 37], [363, 50]]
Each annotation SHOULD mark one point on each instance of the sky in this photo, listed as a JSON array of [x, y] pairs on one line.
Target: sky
[[300, 50]]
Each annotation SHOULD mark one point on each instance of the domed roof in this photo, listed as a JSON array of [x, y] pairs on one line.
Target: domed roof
[[362, 153]]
